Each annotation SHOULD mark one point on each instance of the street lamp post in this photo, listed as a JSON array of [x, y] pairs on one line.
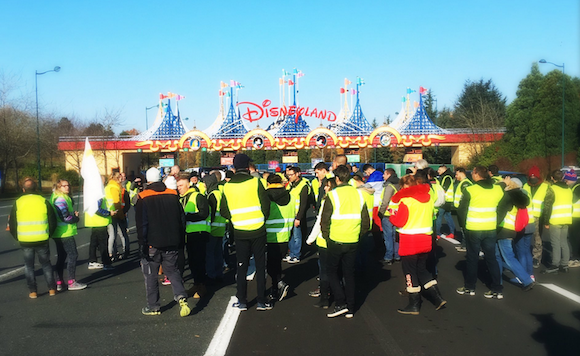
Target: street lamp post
[[146, 118], [563, 100], [56, 69]]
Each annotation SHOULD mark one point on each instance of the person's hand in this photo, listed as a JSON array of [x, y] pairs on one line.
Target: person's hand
[[547, 226], [296, 222], [77, 214]]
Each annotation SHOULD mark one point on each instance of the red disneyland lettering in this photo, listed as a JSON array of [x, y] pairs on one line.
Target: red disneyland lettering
[[254, 112]]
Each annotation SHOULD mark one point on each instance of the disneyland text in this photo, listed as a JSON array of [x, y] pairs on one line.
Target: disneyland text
[[255, 112]]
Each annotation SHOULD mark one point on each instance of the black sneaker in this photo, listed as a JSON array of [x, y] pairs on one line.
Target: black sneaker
[[322, 303], [338, 310], [241, 306], [264, 306], [149, 311], [283, 287], [551, 269], [563, 269]]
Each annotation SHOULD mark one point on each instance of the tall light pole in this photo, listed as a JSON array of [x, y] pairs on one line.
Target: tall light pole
[[146, 118], [56, 69], [563, 101]]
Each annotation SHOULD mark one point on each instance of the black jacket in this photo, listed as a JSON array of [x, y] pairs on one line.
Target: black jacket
[[279, 195], [511, 198], [239, 177], [160, 218]]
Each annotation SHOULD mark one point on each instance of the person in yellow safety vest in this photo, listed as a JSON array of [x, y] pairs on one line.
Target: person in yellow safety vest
[[494, 174], [516, 200], [537, 188], [391, 186], [32, 221], [429, 176], [323, 290], [118, 226], [98, 221], [414, 221], [344, 220], [459, 188], [446, 182], [574, 231], [246, 204], [197, 233], [366, 242], [318, 183], [133, 189], [478, 213], [64, 236], [194, 182], [160, 223], [278, 230], [214, 256], [300, 190], [558, 208]]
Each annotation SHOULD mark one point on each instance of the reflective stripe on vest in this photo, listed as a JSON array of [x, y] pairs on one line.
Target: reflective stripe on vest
[[509, 221], [244, 204], [576, 205], [449, 191], [538, 198], [218, 225], [482, 210], [295, 191], [345, 220], [562, 208], [280, 222], [191, 207], [383, 195], [459, 191], [32, 218], [63, 229], [94, 220], [420, 217]]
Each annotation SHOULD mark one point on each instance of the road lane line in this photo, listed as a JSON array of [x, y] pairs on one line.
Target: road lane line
[[453, 241], [221, 339], [561, 291], [15, 272]]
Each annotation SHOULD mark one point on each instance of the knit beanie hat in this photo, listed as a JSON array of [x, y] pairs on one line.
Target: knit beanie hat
[[571, 176]]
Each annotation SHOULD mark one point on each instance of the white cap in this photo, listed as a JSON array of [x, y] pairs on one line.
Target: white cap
[[153, 175], [171, 182], [517, 182]]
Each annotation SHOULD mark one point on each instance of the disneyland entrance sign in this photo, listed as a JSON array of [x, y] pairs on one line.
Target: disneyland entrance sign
[[253, 112]]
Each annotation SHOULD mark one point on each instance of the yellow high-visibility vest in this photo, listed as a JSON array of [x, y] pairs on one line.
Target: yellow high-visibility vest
[[459, 191], [394, 206], [482, 210], [244, 204], [449, 191], [420, 217], [538, 198], [280, 222], [345, 222], [94, 220], [218, 225], [191, 207], [562, 208], [63, 229], [32, 218], [576, 204]]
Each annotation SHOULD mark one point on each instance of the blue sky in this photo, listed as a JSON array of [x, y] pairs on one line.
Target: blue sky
[[119, 55]]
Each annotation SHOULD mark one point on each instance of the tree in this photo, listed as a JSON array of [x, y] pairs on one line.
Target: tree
[[428, 102]]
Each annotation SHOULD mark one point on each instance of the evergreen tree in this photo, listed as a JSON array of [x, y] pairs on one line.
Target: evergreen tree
[[428, 101]]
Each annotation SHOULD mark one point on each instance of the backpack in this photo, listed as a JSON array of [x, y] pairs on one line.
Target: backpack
[[522, 219]]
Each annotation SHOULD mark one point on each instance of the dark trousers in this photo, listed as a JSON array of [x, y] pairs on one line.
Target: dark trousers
[[150, 269], [244, 249], [276, 251], [484, 240], [416, 273], [43, 252], [195, 245], [574, 239], [345, 256], [99, 237], [323, 265], [66, 251]]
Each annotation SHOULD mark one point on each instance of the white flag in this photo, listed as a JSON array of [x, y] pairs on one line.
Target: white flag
[[93, 189]]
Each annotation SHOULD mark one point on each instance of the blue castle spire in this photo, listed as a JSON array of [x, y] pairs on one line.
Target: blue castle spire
[[292, 126], [357, 124], [232, 127], [420, 123], [170, 128]]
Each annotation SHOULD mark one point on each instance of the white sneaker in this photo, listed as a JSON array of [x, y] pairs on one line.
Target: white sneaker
[[286, 258], [574, 263], [294, 260], [250, 277], [76, 286], [95, 265]]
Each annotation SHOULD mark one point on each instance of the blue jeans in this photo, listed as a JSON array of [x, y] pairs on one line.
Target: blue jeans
[[391, 246], [295, 243], [506, 258], [444, 214], [484, 240], [523, 250], [43, 252]]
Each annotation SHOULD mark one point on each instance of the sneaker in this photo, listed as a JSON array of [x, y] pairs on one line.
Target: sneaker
[[338, 310], [283, 287], [324, 304], [286, 258], [563, 269], [536, 263], [461, 249], [533, 277], [241, 306], [76, 285], [149, 311], [450, 236], [388, 262], [574, 263], [294, 260], [166, 281], [95, 265], [349, 315], [108, 267], [250, 277], [264, 306], [529, 287], [184, 309], [463, 290], [493, 295], [439, 236], [551, 270], [274, 295], [32, 295], [52, 292], [59, 286], [315, 293]]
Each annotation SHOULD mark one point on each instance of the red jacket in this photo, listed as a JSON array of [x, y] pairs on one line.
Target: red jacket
[[417, 243]]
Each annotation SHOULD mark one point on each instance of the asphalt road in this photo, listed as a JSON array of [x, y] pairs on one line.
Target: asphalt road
[[105, 318]]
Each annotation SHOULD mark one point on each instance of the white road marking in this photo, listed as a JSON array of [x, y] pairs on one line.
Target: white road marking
[[561, 291], [15, 272], [221, 339], [453, 241]]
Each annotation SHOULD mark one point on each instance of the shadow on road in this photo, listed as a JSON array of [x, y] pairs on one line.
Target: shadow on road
[[558, 339]]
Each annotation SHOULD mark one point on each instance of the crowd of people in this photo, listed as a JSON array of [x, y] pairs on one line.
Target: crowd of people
[[185, 217]]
